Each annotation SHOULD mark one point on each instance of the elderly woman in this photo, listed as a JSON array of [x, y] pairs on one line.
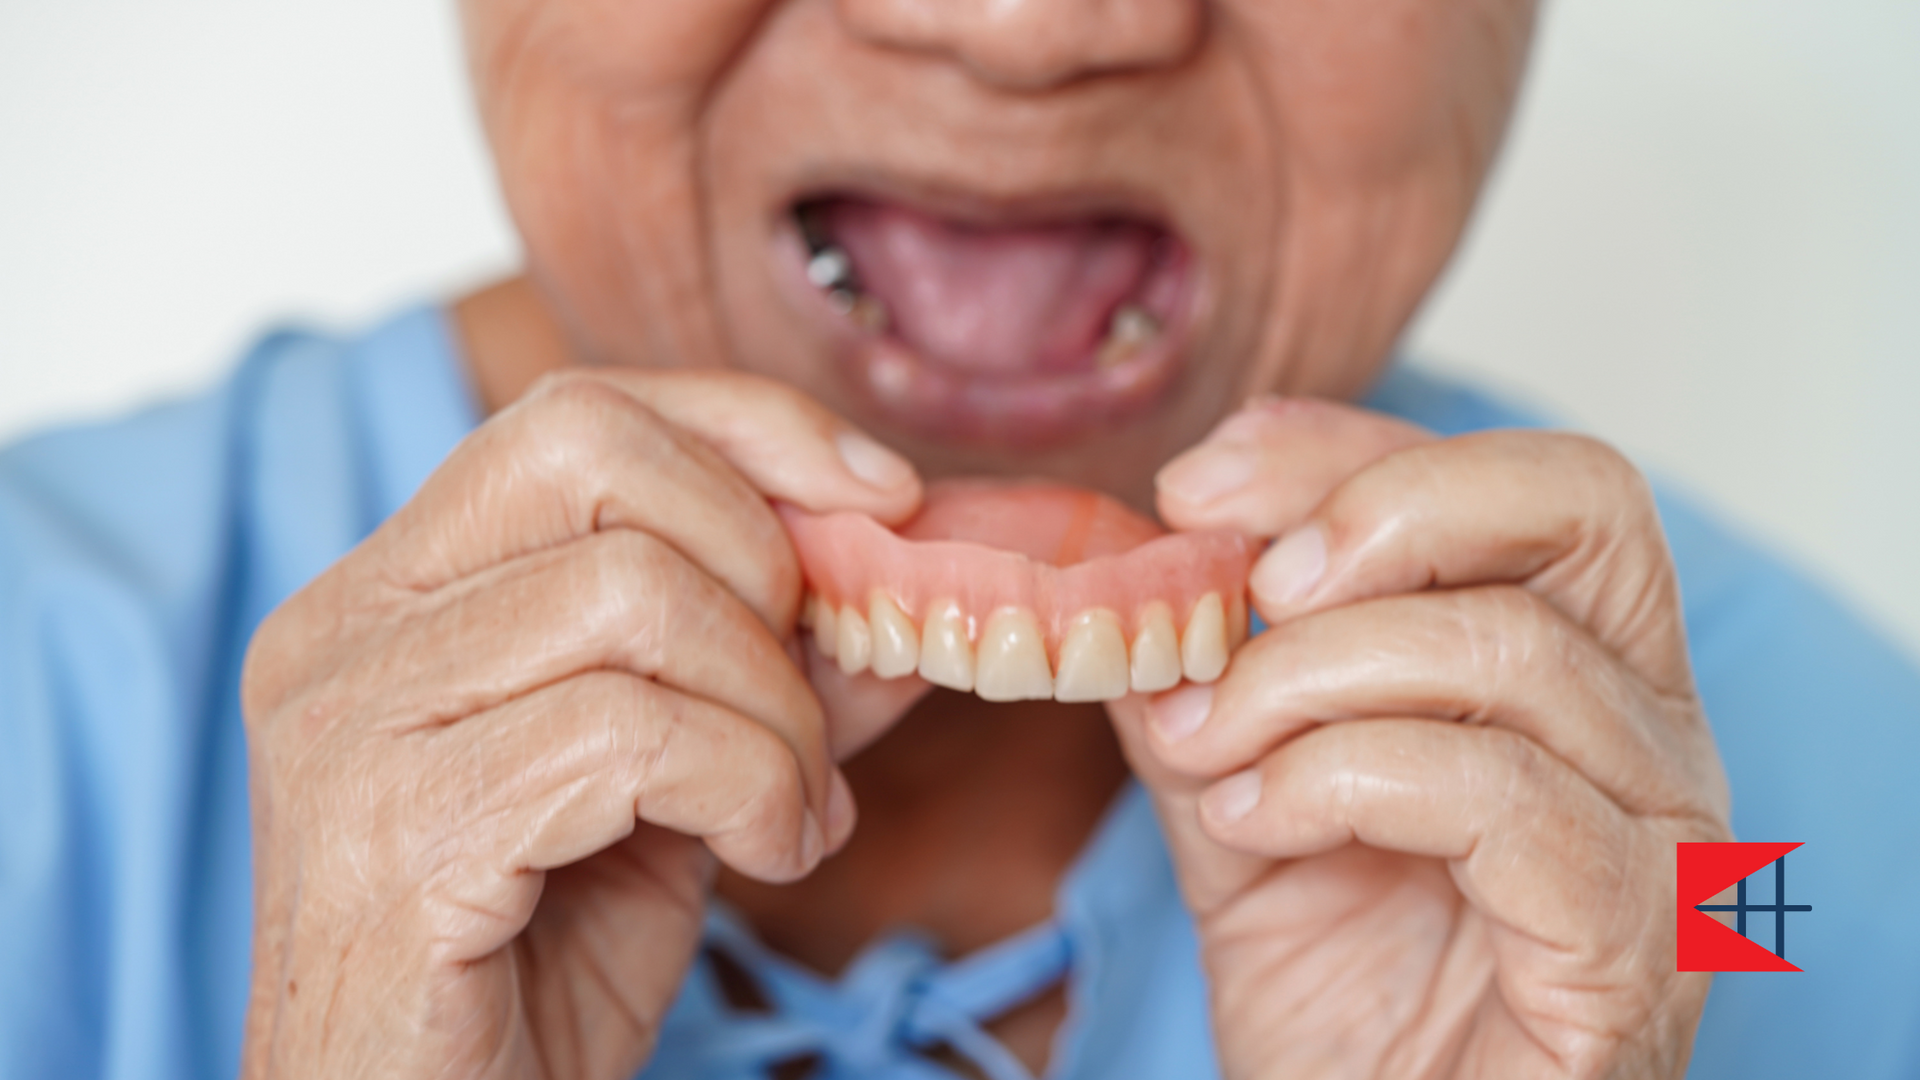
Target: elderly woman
[[441, 701]]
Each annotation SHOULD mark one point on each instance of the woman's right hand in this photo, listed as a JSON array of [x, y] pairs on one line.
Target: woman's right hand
[[492, 748]]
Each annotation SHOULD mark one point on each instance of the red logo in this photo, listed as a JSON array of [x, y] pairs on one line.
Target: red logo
[[1702, 943]]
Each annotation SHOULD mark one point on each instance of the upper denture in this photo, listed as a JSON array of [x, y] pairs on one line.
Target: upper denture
[[1023, 589]]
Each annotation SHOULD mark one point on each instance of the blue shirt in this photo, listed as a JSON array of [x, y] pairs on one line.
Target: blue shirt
[[137, 556]]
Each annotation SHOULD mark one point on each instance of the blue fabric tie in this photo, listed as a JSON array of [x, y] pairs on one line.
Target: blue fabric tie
[[896, 1001]]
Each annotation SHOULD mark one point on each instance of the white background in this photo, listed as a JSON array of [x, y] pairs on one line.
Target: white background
[[1704, 243]]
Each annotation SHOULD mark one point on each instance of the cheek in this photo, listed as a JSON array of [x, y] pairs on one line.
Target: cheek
[[1386, 124], [590, 107], [1412, 82]]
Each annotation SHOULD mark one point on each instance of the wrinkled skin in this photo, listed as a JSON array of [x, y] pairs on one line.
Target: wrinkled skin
[[1425, 824], [487, 746]]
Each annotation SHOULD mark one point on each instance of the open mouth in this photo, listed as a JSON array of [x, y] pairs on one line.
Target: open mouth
[[1021, 332]]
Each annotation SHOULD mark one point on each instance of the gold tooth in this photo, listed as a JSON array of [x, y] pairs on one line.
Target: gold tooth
[[869, 314], [1093, 659], [1155, 664], [1203, 648], [946, 654], [855, 642], [1011, 664], [896, 644]]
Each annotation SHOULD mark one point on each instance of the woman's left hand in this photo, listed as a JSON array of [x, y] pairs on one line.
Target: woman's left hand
[[1426, 822]]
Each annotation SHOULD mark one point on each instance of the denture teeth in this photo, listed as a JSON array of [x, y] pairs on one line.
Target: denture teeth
[[826, 629], [856, 642], [1093, 659], [946, 656], [861, 309], [1131, 328], [1156, 651], [896, 644], [1203, 648], [1012, 663]]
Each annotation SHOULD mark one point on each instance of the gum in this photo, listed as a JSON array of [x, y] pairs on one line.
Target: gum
[[1052, 551]]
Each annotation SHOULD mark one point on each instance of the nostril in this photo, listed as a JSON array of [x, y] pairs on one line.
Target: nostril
[[1033, 44]]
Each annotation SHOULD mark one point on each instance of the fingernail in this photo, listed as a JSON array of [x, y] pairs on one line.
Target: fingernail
[[813, 842], [878, 466], [1208, 472], [1233, 798], [840, 811], [1179, 713], [1292, 568]]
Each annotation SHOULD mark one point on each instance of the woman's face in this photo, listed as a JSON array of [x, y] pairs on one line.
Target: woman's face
[[1053, 236]]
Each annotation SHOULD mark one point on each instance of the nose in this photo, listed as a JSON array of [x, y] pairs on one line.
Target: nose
[[1034, 44]]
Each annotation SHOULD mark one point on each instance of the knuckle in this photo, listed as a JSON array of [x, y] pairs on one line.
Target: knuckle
[[635, 721], [771, 776], [641, 591], [1533, 781], [1489, 624], [629, 568], [777, 781], [1515, 637], [576, 388], [572, 416]]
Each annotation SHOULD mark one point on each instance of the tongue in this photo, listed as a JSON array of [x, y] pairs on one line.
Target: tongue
[[995, 300]]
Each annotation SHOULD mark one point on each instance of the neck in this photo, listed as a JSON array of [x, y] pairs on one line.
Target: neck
[[970, 814], [509, 339]]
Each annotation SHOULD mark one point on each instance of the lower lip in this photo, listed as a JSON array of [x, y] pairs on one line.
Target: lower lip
[[1029, 411]]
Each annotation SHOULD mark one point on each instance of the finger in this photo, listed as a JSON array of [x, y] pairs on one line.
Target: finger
[[1266, 467], [620, 600], [590, 971], [787, 444], [1208, 874], [1561, 514], [1497, 655], [554, 777], [860, 708], [589, 451], [1529, 841]]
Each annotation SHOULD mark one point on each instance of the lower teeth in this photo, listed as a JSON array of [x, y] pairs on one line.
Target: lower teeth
[[830, 268], [1132, 328], [865, 312]]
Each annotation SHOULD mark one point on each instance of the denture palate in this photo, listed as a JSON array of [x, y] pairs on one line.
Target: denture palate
[[1023, 590]]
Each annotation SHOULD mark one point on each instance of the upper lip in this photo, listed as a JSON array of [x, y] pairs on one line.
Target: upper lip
[[982, 207]]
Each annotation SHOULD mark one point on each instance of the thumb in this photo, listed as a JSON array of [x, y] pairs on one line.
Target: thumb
[[1266, 467]]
